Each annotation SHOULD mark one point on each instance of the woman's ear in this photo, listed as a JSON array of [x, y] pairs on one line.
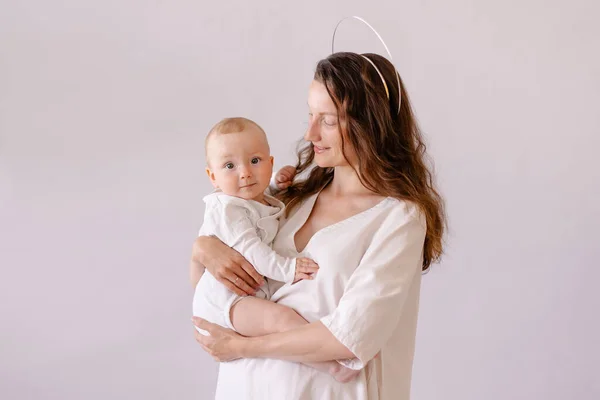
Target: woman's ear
[[212, 178]]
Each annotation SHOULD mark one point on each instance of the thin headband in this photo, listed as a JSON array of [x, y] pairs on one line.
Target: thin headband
[[387, 92], [370, 61]]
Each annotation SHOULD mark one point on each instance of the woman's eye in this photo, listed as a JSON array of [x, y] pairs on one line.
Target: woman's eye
[[255, 160], [229, 165], [329, 122]]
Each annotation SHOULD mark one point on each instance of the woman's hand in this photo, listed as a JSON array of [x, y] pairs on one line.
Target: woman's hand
[[285, 176], [227, 265], [223, 344]]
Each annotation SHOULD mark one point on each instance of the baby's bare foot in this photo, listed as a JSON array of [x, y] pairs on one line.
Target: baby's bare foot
[[343, 374]]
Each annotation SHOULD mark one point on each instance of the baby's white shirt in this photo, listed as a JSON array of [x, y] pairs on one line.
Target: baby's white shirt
[[249, 227]]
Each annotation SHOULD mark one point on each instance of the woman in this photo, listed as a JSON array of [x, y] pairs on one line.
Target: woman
[[369, 215]]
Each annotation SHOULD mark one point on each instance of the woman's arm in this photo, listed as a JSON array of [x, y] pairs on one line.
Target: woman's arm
[[310, 343], [319, 345], [227, 265]]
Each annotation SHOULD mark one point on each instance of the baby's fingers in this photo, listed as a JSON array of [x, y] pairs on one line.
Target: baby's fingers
[[309, 269], [300, 276], [306, 265], [286, 173], [283, 176], [284, 185]]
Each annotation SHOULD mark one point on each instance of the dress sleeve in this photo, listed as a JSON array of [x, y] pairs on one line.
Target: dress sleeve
[[232, 224], [374, 297]]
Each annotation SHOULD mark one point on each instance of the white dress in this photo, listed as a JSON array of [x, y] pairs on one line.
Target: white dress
[[366, 292], [249, 227]]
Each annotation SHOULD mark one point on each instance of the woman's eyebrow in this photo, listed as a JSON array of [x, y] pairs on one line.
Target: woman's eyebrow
[[323, 113], [334, 114]]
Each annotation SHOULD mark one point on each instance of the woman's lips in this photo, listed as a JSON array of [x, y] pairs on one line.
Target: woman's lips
[[319, 149]]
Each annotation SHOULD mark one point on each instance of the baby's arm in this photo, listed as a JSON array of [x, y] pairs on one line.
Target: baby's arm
[[234, 227], [282, 179]]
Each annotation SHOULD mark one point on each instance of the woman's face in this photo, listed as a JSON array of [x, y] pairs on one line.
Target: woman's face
[[323, 131]]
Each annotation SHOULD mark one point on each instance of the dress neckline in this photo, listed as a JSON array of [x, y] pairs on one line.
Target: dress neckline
[[310, 204]]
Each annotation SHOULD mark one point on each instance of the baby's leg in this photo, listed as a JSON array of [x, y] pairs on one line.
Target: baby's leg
[[252, 316]]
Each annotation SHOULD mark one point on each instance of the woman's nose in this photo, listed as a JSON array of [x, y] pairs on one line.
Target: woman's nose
[[312, 133]]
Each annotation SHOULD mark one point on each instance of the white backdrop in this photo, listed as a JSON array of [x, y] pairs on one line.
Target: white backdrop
[[103, 109]]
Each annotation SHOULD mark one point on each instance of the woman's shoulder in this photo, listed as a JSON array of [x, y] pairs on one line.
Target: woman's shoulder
[[401, 205], [405, 210]]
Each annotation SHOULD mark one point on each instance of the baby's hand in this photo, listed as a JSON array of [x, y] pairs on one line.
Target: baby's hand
[[285, 176], [305, 268]]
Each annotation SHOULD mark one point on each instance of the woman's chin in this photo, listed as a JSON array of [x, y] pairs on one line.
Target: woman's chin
[[323, 164]]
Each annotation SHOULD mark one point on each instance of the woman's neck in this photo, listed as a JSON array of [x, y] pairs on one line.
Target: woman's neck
[[345, 183]]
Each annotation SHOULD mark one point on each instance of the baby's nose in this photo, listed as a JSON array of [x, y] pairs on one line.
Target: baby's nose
[[245, 172]]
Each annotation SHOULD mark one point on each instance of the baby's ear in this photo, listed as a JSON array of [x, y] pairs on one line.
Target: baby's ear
[[272, 159], [212, 178]]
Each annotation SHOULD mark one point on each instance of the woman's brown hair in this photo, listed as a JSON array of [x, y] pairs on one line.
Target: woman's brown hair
[[389, 145]]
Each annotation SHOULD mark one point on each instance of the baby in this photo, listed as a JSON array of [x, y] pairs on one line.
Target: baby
[[240, 165], [241, 215]]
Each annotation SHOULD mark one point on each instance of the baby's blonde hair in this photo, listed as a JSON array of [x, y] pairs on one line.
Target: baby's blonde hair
[[231, 125]]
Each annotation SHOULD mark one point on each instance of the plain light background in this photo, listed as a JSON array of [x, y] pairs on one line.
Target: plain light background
[[103, 109]]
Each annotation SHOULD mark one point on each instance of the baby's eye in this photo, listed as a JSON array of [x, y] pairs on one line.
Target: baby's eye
[[255, 160], [229, 165]]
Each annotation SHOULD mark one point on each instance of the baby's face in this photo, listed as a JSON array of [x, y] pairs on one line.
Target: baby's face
[[240, 164]]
